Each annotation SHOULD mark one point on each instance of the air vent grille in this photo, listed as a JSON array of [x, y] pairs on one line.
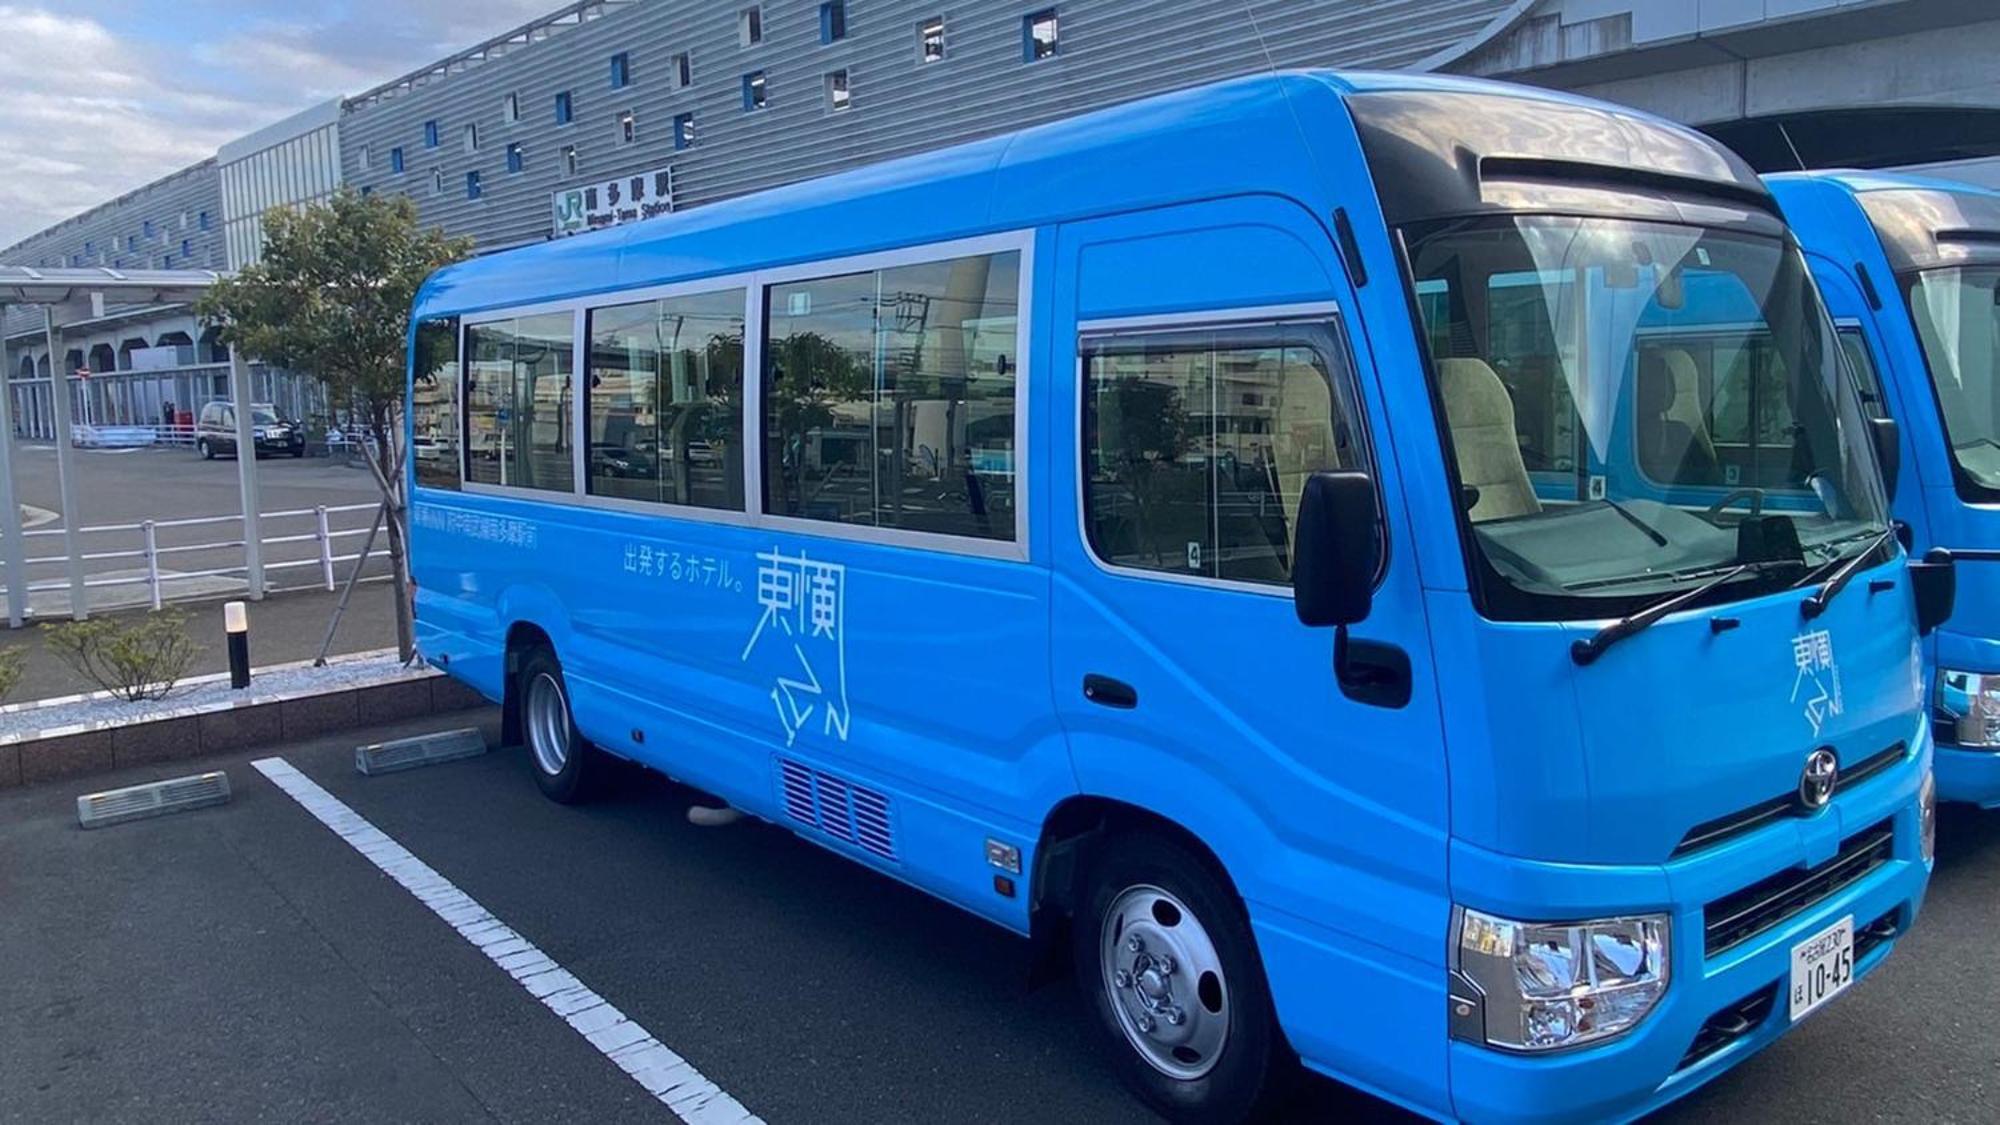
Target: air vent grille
[[841, 809]]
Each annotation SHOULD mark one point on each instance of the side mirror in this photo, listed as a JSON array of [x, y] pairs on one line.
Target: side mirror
[[1333, 561], [1888, 451], [1934, 581]]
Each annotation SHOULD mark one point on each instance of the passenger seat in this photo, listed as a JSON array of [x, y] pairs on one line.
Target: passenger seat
[[1480, 413]]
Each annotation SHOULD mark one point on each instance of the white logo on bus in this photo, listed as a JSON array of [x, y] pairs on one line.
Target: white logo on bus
[[804, 603], [1818, 677]]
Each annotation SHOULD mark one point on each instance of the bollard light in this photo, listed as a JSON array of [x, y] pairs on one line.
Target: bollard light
[[236, 622]]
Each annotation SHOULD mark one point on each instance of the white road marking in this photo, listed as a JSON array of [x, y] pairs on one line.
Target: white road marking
[[663, 1074]]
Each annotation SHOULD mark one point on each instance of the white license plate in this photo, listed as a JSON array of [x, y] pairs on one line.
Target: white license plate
[[1822, 966]]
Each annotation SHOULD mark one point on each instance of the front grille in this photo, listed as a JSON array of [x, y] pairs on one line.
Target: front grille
[[1731, 1023], [1712, 832], [1737, 917]]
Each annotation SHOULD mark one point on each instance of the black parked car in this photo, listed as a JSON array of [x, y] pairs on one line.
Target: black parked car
[[215, 433]]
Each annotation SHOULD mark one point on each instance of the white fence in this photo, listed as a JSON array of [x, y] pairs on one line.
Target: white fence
[[154, 562]]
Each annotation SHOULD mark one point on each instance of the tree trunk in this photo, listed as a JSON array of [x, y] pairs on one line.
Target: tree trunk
[[385, 462]]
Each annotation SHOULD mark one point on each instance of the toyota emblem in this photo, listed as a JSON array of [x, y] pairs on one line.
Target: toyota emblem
[[1816, 783]]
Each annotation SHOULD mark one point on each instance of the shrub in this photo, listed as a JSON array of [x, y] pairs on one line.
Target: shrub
[[138, 658], [10, 669]]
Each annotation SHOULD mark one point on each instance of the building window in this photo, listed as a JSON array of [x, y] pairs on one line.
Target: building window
[[836, 90], [146, 228], [569, 160], [750, 27], [1198, 444], [684, 130], [515, 161], [367, 162], [187, 248], [889, 397], [930, 39], [430, 134], [472, 185], [437, 181], [518, 402], [628, 127], [665, 388], [1038, 35], [131, 242], [510, 109], [753, 91], [471, 135], [564, 112], [683, 71], [833, 21], [395, 165], [621, 70]]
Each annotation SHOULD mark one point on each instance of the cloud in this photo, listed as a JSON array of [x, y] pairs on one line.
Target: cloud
[[108, 95]]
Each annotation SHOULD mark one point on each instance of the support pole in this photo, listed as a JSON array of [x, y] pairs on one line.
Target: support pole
[[152, 561], [13, 548], [325, 548], [79, 608], [246, 472]]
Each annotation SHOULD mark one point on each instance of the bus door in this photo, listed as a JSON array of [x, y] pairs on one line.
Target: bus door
[[1210, 356]]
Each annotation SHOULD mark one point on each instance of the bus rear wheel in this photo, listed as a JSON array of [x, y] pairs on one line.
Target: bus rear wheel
[[1164, 954], [565, 764]]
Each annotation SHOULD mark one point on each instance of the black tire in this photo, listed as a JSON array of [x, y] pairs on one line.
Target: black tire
[[1251, 1070], [207, 451], [298, 453], [582, 765]]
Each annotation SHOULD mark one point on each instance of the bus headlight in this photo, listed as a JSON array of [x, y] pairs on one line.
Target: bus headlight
[[1927, 818], [1544, 986], [1965, 709]]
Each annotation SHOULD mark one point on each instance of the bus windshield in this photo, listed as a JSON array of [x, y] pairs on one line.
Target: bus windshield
[[1959, 323], [1621, 397]]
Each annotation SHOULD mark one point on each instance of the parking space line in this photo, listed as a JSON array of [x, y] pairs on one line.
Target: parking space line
[[664, 1074]]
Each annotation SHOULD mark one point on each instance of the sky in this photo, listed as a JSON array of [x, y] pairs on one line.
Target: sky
[[104, 96]]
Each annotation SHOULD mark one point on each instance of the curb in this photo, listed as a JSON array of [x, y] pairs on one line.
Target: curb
[[241, 726]]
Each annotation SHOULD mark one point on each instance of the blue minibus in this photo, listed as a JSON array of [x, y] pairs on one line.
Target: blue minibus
[[1201, 537], [1910, 270]]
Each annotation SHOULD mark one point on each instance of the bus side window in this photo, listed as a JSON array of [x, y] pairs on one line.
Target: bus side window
[[889, 397], [519, 395], [1198, 444], [434, 417], [664, 401]]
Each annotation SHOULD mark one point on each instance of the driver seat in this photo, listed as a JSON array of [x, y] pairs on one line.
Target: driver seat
[[1480, 413]]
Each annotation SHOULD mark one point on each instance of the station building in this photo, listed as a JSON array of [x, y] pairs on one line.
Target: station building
[[609, 111]]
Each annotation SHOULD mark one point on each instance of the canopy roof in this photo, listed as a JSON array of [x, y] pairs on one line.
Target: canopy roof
[[80, 294]]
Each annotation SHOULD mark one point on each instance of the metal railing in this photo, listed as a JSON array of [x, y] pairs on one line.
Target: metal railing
[[313, 538]]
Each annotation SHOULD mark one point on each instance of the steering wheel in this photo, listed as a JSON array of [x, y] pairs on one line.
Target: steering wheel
[[1754, 495]]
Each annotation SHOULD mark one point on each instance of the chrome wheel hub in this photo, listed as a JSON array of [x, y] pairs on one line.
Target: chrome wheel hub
[[545, 714], [1165, 982]]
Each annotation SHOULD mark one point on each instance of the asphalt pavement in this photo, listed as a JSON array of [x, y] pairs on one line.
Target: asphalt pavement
[[246, 963]]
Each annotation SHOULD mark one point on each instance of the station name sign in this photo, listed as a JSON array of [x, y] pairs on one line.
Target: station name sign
[[626, 199]]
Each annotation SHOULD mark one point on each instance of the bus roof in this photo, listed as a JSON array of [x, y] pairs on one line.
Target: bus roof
[[1922, 221], [1246, 135]]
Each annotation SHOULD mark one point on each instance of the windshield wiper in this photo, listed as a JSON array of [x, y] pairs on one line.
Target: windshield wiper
[[1837, 581], [1590, 648], [1658, 539]]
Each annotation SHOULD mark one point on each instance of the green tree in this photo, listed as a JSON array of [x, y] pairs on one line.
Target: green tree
[[330, 299]]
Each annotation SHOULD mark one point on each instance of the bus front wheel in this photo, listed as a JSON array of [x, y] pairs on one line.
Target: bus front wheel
[[565, 764], [1164, 954]]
